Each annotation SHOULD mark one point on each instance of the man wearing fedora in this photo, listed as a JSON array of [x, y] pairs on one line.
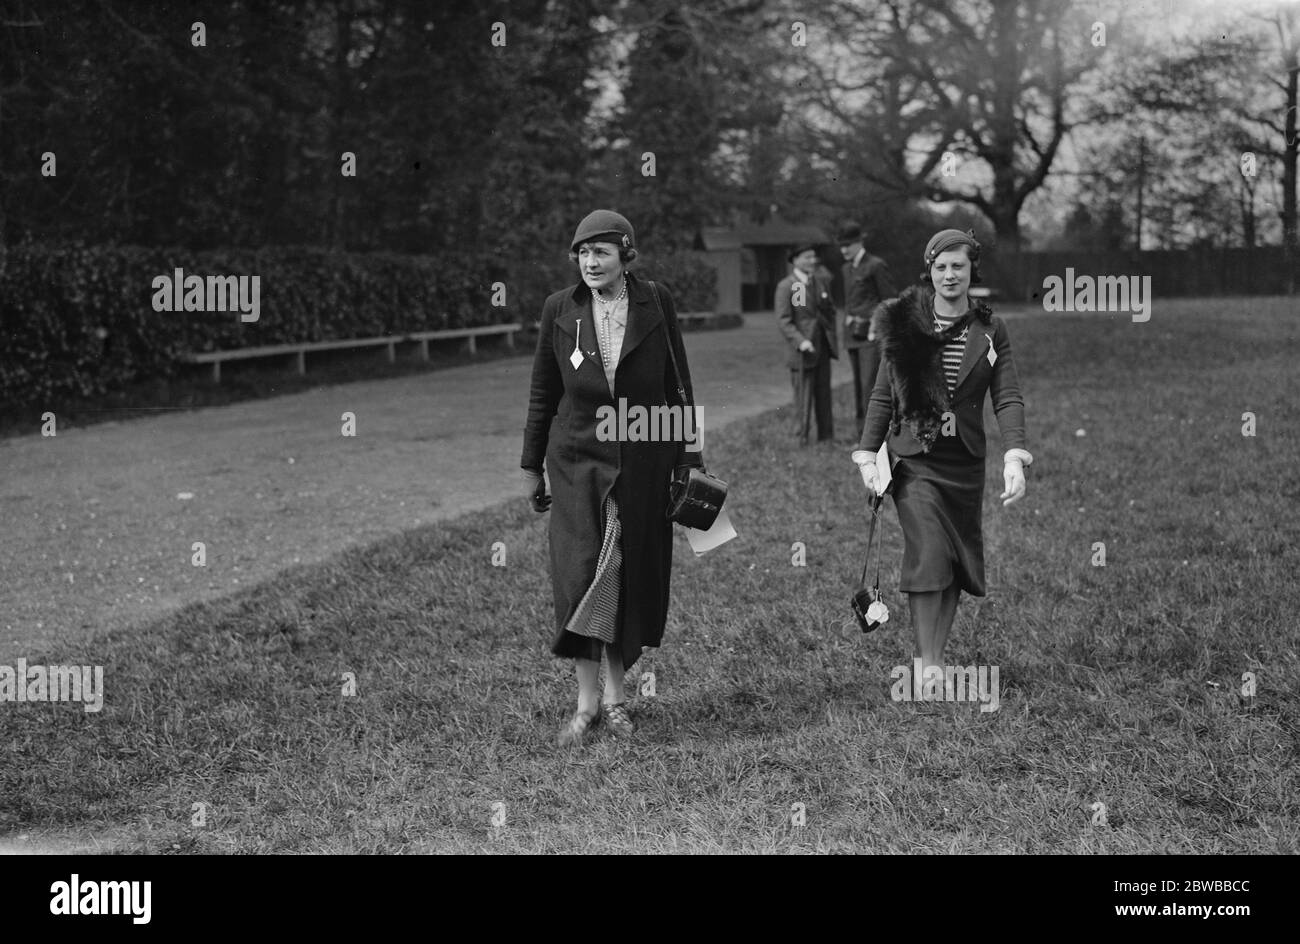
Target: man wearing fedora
[[866, 285], [806, 316]]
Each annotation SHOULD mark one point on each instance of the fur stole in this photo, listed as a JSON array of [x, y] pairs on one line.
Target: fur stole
[[915, 353]]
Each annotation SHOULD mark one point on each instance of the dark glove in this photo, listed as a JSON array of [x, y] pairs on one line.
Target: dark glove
[[535, 490]]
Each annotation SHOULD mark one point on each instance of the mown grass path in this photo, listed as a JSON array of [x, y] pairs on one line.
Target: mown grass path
[[96, 538]]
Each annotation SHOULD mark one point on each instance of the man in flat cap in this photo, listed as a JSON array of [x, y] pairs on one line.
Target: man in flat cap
[[806, 316], [866, 284]]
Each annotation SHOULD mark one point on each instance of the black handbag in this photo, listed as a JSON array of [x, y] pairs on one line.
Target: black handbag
[[868, 605], [694, 496]]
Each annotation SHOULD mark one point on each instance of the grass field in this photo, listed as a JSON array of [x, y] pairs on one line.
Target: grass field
[[1120, 685]]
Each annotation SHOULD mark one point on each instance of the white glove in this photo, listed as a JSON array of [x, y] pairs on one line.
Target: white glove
[[1013, 478], [867, 466], [806, 345]]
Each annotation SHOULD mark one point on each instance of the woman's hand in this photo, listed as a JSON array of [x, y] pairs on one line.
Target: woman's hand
[[535, 490], [806, 346], [1013, 478], [867, 466]]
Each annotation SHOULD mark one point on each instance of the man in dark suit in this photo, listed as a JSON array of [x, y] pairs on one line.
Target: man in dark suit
[[806, 316], [866, 285]]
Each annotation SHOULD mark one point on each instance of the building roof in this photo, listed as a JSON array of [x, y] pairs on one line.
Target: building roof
[[774, 232]]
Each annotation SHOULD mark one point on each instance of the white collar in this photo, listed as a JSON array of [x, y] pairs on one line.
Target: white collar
[[858, 258], [802, 276]]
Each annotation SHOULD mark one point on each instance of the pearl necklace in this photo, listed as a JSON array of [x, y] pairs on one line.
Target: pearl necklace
[[607, 310]]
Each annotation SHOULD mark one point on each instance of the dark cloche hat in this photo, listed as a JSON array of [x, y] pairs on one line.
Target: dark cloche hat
[[801, 247], [604, 226]]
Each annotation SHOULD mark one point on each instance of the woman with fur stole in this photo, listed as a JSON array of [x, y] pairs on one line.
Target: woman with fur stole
[[941, 355]]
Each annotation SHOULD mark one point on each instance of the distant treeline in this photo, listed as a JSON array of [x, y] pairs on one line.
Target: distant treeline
[[457, 131]]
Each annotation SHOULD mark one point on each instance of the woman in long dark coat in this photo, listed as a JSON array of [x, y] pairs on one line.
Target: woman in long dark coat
[[603, 343], [941, 355]]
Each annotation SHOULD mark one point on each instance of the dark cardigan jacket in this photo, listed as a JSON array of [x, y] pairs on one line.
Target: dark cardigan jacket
[[911, 395]]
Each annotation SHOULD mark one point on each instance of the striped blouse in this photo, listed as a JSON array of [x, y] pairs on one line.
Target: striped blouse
[[953, 351]]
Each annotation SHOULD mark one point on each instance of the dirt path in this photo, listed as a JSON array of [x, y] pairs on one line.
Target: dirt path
[[99, 523]]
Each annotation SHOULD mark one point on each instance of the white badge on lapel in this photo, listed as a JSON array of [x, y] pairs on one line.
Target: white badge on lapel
[[992, 354], [576, 357]]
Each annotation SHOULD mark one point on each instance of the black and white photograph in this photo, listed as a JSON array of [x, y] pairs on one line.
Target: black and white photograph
[[673, 427]]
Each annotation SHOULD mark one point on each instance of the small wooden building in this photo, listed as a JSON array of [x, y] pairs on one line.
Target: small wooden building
[[750, 260]]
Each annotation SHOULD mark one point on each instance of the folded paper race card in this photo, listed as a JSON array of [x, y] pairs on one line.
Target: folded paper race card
[[704, 541]]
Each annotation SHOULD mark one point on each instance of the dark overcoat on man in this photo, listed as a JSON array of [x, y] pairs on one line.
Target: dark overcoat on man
[[561, 430], [867, 283]]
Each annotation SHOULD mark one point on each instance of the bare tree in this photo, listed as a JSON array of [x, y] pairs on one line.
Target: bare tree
[[988, 81], [1285, 21]]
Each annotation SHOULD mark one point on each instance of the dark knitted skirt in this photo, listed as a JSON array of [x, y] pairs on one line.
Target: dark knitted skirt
[[939, 497]]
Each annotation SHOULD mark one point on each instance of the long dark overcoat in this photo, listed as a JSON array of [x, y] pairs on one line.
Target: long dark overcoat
[[867, 283], [581, 469]]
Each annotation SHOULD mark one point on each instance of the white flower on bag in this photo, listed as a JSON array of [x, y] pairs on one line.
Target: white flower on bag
[[878, 613]]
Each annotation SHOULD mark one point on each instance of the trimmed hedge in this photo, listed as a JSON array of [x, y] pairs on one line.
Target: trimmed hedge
[[693, 284], [78, 321]]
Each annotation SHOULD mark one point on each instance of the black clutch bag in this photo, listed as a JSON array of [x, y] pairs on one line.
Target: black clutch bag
[[862, 602], [869, 607], [694, 496]]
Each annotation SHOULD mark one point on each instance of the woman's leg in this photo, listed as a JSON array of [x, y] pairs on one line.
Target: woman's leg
[[947, 613], [925, 608], [588, 672], [615, 692], [933, 613]]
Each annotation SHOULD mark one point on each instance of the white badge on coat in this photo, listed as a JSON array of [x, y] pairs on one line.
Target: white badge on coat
[[992, 354], [576, 357]]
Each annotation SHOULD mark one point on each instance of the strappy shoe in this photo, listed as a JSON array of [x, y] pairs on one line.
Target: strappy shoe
[[578, 729], [618, 719]]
